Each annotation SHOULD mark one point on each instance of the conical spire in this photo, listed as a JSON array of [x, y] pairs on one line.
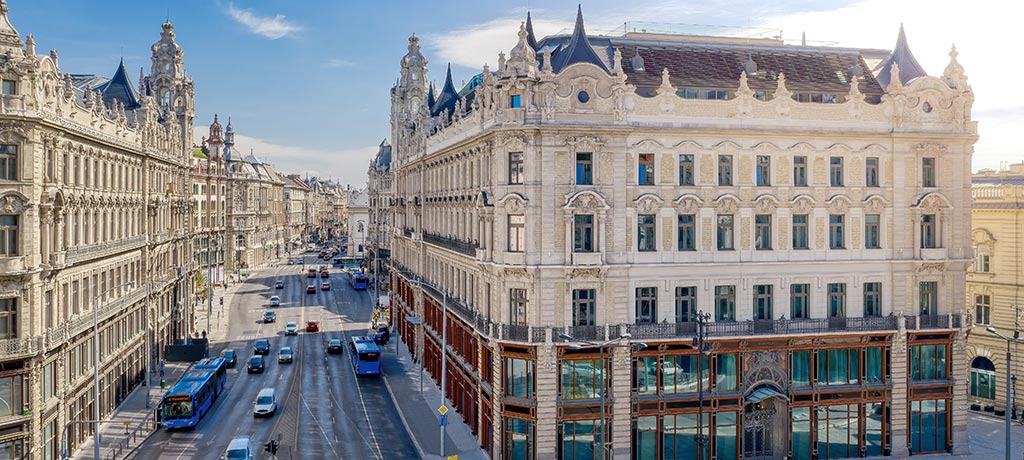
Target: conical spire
[[578, 49], [431, 99], [530, 37], [448, 97], [120, 88], [901, 55]]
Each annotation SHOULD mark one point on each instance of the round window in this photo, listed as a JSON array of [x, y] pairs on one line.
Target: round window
[[583, 97], [926, 107]]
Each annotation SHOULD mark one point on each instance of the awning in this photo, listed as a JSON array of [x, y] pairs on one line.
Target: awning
[[762, 394]]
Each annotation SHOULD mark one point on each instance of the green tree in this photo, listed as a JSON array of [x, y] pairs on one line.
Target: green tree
[[202, 289]]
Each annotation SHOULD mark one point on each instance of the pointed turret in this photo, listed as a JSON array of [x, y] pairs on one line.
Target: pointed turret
[[9, 37], [216, 132], [120, 88], [578, 49], [431, 99], [229, 135], [901, 55], [448, 97], [530, 37]]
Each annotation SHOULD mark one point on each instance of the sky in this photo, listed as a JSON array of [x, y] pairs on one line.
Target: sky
[[306, 83]]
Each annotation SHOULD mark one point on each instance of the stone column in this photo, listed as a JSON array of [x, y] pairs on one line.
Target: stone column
[[959, 408], [619, 403], [547, 427], [899, 422]]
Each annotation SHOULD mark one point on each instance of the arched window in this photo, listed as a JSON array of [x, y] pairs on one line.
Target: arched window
[[983, 378], [981, 258], [165, 98]]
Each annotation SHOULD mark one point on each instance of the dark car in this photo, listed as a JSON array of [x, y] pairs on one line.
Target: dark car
[[269, 317], [261, 347], [279, 284], [382, 336], [256, 364], [311, 289], [334, 346], [325, 274], [230, 357], [285, 355]]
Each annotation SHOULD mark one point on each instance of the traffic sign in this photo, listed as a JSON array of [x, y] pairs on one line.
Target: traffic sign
[[443, 409], [443, 420]]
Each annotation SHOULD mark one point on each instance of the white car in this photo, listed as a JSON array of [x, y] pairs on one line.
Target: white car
[[275, 301], [266, 403], [291, 329], [239, 449]]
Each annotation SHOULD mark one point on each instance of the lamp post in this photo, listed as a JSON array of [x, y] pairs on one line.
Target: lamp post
[[444, 345], [613, 343], [96, 358], [700, 343], [1009, 404], [1014, 380]]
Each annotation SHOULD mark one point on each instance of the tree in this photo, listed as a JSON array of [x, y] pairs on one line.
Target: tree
[[202, 287]]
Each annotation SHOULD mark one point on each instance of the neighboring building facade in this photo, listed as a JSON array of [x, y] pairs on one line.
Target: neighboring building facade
[[94, 195], [209, 192], [296, 211], [357, 218], [378, 189], [255, 210], [995, 285], [812, 200]]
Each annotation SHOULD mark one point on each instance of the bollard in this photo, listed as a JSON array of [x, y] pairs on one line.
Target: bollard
[[163, 384]]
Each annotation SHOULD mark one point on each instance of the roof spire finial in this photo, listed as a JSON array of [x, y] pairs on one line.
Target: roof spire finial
[[579, 49], [530, 37]]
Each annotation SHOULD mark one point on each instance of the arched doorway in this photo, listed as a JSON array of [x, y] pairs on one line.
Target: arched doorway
[[983, 378], [765, 424]]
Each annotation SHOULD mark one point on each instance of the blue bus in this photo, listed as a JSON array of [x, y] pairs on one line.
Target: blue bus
[[348, 263], [189, 399], [359, 280], [365, 355]]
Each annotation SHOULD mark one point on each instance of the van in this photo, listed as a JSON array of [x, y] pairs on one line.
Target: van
[[266, 403], [240, 448]]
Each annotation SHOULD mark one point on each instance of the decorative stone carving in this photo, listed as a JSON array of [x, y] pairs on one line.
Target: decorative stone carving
[[803, 204], [936, 267], [513, 203], [727, 204], [765, 366], [765, 204], [931, 203], [12, 204], [513, 140], [688, 204], [584, 143], [874, 204], [585, 274], [519, 273], [838, 205], [586, 201], [648, 203]]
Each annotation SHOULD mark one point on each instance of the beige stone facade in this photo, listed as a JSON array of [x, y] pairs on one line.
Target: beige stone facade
[[574, 192]]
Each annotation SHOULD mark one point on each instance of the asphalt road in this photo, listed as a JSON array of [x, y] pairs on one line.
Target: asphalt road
[[324, 410]]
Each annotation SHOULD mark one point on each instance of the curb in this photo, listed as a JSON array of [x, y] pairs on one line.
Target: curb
[[401, 416]]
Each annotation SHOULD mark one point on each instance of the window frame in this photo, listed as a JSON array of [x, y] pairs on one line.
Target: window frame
[[10, 235], [683, 229], [836, 231], [583, 234], [871, 172], [763, 232], [763, 170], [982, 309], [872, 231], [835, 171], [686, 304], [645, 174], [836, 300], [686, 170], [928, 167], [646, 233], [516, 233], [872, 299], [9, 162], [584, 168], [764, 295], [726, 235], [518, 304], [928, 297], [801, 232], [800, 171], [725, 177], [588, 303], [725, 303], [516, 164], [800, 301], [646, 305], [930, 231]]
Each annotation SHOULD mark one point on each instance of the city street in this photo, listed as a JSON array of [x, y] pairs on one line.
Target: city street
[[323, 407]]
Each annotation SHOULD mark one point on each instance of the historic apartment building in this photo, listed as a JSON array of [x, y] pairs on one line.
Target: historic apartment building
[[95, 209], [995, 286], [357, 221], [812, 201], [378, 189], [209, 195], [297, 211], [255, 210]]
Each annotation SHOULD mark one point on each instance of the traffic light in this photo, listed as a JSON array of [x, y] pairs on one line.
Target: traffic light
[[268, 446], [273, 447]]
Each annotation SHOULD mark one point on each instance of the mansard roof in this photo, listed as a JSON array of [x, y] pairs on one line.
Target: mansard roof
[[578, 49], [383, 162], [448, 97], [901, 56]]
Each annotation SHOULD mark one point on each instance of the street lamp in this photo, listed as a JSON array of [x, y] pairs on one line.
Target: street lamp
[[96, 357], [1009, 404], [700, 343], [444, 343], [613, 343]]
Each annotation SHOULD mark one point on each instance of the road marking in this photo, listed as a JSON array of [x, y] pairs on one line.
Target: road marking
[[362, 402], [319, 427]]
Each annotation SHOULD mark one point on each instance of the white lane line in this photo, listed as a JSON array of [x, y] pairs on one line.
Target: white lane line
[[322, 432], [362, 402]]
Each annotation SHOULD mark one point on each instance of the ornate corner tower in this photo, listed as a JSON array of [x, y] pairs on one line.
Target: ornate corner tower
[[169, 85], [408, 95]]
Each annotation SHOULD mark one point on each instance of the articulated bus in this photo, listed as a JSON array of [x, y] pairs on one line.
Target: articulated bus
[[365, 355], [189, 399], [348, 263], [359, 280]]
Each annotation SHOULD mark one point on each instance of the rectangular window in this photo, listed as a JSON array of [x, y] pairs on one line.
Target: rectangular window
[[928, 422], [836, 171], [9, 318], [871, 172], [645, 169], [517, 305], [687, 239], [726, 434], [871, 232], [645, 438], [929, 297], [726, 372], [581, 379], [685, 169], [983, 308], [584, 169], [519, 442], [515, 102], [763, 301], [874, 370], [838, 366], [515, 168], [873, 299], [725, 232], [836, 238], [583, 233], [8, 235], [725, 170], [764, 170], [763, 231], [679, 374], [837, 300], [800, 171], [981, 258], [584, 309], [927, 172], [725, 303], [645, 232], [8, 162], [799, 301], [801, 433], [645, 375], [679, 438], [800, 239], [929, 237], [838, 431], [519, 375], [516, 233], [10, 87], [578, 438], [801, 373], [686, 304], [646, 305], [928, 362]]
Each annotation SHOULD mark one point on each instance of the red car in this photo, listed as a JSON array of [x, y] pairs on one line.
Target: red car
[[312, 326], [325, 286], [311, 289], [325, 274]]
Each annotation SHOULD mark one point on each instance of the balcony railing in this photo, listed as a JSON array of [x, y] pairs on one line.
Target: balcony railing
[[19, 347], [461, 246], [952, 321], [763, 327], [407, 232], [94, 251]]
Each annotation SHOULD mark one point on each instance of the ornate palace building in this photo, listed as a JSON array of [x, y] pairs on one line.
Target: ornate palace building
[[995, 286], [95, 210], [581, 207]]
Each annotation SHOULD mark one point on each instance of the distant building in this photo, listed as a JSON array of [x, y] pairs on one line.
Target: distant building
[[255, 210], [357, 211], [209, 192], [378, 189], [812, 201]]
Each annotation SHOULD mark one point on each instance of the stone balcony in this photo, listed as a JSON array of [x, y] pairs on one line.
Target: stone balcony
[[105, 249], [464, 247]]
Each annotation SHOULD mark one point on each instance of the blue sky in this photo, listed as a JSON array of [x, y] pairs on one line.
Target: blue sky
[[306, 83]]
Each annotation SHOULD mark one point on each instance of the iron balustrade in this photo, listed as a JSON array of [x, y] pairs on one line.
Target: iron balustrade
[[449, 242]]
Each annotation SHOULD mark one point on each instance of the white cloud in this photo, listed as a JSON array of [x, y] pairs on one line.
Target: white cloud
[[475, 45], [336, 63], [270, 27]]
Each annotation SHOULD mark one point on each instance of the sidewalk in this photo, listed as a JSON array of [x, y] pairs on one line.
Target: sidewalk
[[116, 439], [419, 412]]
